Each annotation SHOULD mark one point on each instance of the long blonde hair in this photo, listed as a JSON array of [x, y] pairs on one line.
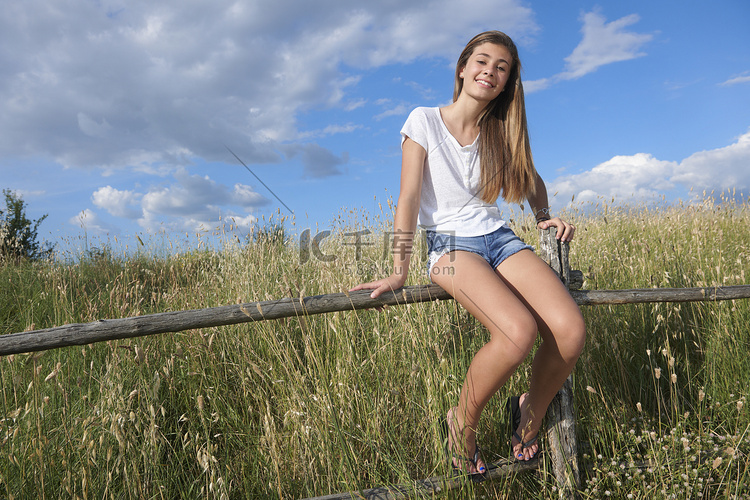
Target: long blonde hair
[[504, 149]]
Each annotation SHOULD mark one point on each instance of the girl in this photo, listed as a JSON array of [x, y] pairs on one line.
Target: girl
[[456, 161]]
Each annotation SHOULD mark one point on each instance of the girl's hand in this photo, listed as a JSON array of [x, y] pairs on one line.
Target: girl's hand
[[565, 230], [392, 282]]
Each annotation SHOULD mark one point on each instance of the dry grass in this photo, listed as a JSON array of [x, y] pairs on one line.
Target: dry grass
[[310, 406]]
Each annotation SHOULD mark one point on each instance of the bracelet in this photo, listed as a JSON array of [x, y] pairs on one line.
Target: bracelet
[[545, 215]]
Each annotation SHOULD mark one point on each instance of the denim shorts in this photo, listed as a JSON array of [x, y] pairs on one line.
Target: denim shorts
[[494, 247]]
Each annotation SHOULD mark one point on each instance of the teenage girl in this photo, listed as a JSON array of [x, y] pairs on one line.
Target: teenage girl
[[456, 161]]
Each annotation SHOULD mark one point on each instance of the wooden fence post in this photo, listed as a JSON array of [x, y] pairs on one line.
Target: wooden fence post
[[561, 442]]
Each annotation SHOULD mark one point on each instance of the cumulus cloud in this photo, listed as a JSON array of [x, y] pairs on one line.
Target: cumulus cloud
[[195, 201], [190, 202], [149, 85], [92, 224], [718, 169], [120, 203], [641, 177]]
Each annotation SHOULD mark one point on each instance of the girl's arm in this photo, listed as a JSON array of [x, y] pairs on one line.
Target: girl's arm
[[405, 221], [540, 208]]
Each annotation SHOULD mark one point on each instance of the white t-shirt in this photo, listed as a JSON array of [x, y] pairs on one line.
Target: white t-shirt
[[450, 201]]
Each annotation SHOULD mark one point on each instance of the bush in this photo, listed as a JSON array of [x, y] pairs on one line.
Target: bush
[[18, 234]]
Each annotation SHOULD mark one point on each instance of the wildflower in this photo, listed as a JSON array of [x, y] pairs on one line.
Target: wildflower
[[717, 462], [591, 389], [701, 396], [674, 378], [657, 373], [640, 408], [740, 404]]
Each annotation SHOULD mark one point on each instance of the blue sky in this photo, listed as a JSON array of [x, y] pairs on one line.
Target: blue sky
[[118, 116]]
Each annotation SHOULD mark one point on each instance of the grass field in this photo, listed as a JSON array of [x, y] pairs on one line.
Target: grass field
[[310, 406]]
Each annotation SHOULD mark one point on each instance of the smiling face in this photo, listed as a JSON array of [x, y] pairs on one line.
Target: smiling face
[[486, 71], [497, 51]]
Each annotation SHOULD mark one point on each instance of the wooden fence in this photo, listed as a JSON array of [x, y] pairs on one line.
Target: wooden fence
[[561, 447]]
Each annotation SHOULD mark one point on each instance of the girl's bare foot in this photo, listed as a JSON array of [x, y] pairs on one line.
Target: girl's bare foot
[[462, 446], [524, 441]]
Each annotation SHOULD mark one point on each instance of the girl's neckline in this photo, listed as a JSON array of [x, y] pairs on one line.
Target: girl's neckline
[[453, 137]]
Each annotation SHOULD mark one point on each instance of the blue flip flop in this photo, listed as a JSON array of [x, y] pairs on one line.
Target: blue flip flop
[[514, 408], [477, 477]]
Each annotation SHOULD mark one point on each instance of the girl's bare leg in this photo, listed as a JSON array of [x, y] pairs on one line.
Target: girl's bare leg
[[515, 301], [563, 333], [476, 286]]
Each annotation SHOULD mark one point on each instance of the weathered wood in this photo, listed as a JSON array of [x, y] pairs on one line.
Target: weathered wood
[[549, 250], [644, 295], [561, 444], [430, 487], [177, 321]]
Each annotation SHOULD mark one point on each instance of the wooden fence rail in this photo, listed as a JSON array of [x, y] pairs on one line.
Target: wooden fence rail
[[177, 321]]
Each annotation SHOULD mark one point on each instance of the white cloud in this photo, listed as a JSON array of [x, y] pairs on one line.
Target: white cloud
[[530, 86], [191, 202], [152, 85], [330, 130], [603, 43], [639, 177], [117, 202], [399, 109], [29, 193], [718, 169], [243, 223], [91, 223], [642, 177], [743, 78], [194, 201]]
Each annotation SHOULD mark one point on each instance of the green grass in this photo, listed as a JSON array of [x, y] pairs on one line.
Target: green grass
[[310, 406]]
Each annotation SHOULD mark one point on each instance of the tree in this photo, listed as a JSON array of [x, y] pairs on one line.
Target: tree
[[18, 234]]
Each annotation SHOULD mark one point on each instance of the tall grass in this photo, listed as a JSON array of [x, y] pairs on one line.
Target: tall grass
[[310, 406]]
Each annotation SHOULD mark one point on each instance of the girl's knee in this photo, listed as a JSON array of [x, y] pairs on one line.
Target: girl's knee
[[575, 339], [570, 336], [516, 340]]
